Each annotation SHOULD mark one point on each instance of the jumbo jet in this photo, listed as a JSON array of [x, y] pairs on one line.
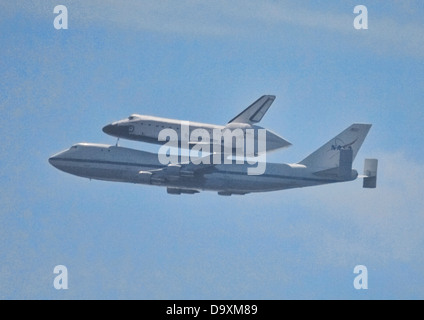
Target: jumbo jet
[[148, 128], [332, 163]]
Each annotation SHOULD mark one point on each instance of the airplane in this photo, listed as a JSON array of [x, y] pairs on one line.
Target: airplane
[[332, 163], [147, 128]]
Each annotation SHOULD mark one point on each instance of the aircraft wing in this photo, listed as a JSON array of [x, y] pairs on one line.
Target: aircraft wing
[[201, 165], [255, 112], [176, 171]]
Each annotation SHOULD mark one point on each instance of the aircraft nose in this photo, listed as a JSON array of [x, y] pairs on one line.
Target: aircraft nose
[[60, 160], [53, 161]]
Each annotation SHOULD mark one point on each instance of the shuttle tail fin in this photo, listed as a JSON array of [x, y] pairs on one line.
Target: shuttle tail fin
[[255, 112], [340, 151]]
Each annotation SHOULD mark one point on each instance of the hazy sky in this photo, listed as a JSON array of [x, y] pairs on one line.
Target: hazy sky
[[206, 61]]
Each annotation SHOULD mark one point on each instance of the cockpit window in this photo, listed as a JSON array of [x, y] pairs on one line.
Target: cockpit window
[[74, 146], [133, 117]]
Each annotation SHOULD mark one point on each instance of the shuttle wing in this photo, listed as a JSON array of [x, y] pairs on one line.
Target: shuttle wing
[[255, 112]]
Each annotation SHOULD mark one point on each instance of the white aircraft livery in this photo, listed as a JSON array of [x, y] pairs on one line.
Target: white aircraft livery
[[332, 163], [148, 128]]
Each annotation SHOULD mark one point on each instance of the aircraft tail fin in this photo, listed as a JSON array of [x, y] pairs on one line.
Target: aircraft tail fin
[[340, 151], [255, 112]]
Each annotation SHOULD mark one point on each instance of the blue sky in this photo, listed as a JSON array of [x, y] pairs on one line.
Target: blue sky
[[206, 61]]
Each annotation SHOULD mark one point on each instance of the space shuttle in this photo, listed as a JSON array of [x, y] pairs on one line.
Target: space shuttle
[[148, 128]]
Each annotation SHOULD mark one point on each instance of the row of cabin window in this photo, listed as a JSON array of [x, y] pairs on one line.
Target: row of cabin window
[[157, 126]]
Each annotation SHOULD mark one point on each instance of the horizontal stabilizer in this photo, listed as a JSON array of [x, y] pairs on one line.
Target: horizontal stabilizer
[[255, 112], [370, 173]]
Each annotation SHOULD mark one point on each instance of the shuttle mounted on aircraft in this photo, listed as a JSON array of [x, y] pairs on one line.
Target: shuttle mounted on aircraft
[[331, 163]]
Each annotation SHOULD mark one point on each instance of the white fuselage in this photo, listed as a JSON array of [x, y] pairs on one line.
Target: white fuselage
[[148, 129], [111, 163]]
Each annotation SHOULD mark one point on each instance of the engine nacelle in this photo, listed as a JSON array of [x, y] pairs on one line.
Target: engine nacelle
[[144, 177], [176, 171], [177, 191], [173, 171], [148, 177]]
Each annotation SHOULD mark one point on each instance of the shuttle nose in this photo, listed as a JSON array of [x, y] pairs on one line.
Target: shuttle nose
[[118, 130], [108, 129]]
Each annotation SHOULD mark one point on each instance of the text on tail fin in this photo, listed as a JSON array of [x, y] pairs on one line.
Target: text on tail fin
[[328, 156]]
